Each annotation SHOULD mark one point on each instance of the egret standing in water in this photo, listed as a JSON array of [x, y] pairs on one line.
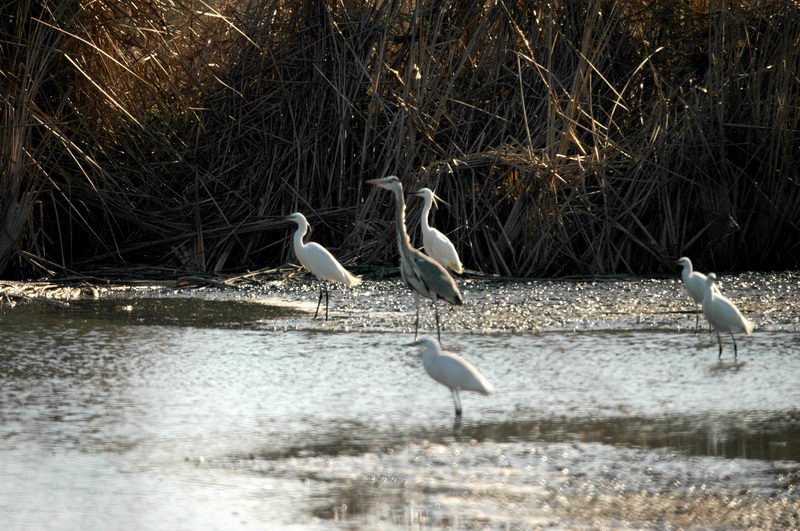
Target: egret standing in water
[[436, 244], [319, 261], [424, 275], [723, 315], [452, 371], [695, 284]]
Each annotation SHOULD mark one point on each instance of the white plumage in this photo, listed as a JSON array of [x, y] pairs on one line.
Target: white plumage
[[723, 315], [436, 244], [695, 284], [424, 275], [319, 261], [452, 371]]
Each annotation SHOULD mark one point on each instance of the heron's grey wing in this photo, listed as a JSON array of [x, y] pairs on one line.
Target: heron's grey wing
[[412, 278], [437, 279]]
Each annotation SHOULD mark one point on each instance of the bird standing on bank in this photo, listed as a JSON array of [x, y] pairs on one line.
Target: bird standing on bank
[[723, 315], [695, 284], [319, 261], [452, 371], [424, 275], [436, 244]]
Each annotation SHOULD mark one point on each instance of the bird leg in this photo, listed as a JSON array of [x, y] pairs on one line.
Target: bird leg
[[320, 300], [735, 354], [457, 428], [326, 301], [456, 402], [436, 313], [416, 323], [719, 340], [696, 321]]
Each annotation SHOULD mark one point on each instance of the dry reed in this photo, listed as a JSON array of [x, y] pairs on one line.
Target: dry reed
[[568, 137]]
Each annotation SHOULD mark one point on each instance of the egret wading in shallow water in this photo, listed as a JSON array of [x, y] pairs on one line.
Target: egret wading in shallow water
[[723, 315], [695, 284], [436, 244], [319, 261], [424, 275], [452, 371]]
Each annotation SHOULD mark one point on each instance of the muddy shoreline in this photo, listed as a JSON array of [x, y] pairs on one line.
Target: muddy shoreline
[[515, 305]]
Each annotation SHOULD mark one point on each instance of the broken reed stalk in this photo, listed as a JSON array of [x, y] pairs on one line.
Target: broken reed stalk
[[586, 137]]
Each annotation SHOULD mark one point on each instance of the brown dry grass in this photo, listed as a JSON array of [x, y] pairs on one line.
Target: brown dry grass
[[568, 137]]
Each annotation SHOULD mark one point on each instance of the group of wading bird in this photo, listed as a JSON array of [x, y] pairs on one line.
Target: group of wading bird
[[427, 275]]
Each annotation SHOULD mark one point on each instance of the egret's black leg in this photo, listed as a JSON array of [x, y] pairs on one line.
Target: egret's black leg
[[697, 321], [319, 301], [436, 313], [457, 427], [735, 354], [326, 301], [416, 323], [456, 402], [719, 340]]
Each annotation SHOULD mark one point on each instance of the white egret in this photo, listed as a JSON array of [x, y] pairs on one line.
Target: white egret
[[319, 261], [424, 275], [695, 284], [452, 371], [436, 244], [723, 315]]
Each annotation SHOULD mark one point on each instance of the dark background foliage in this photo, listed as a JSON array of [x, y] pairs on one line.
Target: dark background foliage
[[567, 137]]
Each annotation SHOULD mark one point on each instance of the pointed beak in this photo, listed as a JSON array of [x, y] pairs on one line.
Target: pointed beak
[[374, 181]]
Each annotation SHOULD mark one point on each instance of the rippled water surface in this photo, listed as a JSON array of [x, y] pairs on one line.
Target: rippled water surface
[[223, 409]]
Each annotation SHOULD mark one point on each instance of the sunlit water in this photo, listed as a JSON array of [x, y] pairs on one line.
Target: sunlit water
[[222, 412]]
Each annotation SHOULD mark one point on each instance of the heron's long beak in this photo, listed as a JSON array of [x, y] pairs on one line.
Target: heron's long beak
[[374, 181], [412, 344]]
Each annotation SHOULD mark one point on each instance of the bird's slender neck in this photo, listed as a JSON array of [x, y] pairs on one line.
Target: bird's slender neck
[[403, 241], [302, 228], [710, 287], [430, 353], [426, 210], [687, 271]]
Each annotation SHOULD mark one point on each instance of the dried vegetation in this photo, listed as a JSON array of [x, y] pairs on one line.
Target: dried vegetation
[[568, 137]]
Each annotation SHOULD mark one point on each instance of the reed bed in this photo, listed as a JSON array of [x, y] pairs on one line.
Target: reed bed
[[580, 137]]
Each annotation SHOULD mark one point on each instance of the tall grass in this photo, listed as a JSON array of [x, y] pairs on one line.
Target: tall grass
[[29, 104], [568, 137]]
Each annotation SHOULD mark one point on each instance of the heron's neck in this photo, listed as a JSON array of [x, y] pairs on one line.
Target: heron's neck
[[302, 228], [687, 272], [710, 289], [429, 355], [426, 210], [403, 241]]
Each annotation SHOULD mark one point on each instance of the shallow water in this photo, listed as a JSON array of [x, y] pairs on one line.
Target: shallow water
[[223, 411]]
